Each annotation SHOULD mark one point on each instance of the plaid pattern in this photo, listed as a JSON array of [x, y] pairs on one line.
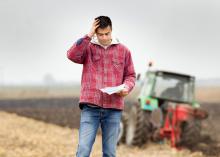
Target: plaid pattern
[[102, 68]]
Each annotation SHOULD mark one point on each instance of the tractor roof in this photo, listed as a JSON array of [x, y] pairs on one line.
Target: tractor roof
[[174, 73]]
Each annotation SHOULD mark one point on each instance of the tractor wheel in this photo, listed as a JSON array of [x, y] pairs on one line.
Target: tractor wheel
[[138, 126], [123, 126], [190, 135]]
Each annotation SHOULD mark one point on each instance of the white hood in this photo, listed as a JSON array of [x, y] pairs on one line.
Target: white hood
[[95, 41]]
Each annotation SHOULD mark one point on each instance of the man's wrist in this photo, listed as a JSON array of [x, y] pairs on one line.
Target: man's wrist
[[90, 35]]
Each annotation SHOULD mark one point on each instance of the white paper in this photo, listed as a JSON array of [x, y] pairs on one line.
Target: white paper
[[112, 90]]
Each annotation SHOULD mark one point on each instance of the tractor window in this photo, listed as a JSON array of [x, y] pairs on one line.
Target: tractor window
[[147, 84], [172, 87]]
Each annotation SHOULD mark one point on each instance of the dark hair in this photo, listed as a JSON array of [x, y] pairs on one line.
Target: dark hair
[[104, 21]]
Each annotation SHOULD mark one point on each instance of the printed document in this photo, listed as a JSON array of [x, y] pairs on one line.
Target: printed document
[[112, 90]]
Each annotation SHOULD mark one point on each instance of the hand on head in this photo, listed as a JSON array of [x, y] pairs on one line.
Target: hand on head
[[95, 25]]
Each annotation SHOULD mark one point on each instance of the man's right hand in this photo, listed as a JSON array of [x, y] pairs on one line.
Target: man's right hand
[[95, 25]]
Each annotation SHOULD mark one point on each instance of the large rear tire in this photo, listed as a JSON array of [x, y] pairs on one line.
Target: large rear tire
[[190, 135], [139, 126]]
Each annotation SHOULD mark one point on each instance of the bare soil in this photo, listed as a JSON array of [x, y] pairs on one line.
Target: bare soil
[[66, 113], [26, 137]]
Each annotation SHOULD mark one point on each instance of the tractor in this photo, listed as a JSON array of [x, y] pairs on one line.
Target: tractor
[[164, 108]]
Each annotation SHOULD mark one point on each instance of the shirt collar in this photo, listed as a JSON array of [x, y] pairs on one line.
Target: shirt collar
[[95, 41]]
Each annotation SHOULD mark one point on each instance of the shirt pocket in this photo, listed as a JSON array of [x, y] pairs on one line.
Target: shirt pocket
[[96, 57], [117, 64], [95, 62]]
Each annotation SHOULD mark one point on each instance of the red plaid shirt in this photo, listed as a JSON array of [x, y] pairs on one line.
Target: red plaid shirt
[[102, 67]]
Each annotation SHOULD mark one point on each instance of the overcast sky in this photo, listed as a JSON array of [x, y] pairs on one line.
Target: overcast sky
[[177, 35]]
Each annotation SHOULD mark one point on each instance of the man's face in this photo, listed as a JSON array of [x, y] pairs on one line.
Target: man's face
[[104, 35]]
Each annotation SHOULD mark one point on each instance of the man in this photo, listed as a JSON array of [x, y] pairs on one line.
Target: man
[[106, 63], [176, 92]]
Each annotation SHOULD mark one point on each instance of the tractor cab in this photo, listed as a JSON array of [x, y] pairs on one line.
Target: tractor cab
[[173, 87], [163, 86]]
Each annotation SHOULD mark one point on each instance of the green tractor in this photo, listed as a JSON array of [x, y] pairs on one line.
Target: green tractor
[[165, 107]]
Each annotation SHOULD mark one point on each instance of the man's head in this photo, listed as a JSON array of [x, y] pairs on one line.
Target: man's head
[[104, 30]]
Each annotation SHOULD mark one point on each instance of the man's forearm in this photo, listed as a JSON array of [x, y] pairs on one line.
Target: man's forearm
[[77, 52], [130, 82]]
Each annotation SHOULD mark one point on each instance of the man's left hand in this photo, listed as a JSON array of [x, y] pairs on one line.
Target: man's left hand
[[123, 92]]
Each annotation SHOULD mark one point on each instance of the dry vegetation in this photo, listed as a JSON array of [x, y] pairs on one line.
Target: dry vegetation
[[208, 94], [23, 92], [23, 137], [203, 94]]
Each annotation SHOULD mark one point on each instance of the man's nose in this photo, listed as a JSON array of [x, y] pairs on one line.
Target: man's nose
[[104, 37]]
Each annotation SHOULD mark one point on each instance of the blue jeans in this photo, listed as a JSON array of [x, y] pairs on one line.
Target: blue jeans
[[90, 120]]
